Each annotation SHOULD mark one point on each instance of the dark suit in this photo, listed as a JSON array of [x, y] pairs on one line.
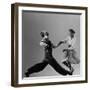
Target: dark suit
[[48, 59]]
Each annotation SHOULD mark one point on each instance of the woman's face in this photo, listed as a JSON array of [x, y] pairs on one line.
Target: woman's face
[[71, 34]]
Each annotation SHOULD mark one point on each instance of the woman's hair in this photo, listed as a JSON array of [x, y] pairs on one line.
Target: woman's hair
[[72, 31]]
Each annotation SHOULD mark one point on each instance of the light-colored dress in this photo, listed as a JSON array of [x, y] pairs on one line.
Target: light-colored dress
[[70, 53]]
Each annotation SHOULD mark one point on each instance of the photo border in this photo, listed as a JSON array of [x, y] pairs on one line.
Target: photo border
[[14, 43]]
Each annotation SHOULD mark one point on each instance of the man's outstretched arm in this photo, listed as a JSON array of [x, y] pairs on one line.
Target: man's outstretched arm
[[55, 46]]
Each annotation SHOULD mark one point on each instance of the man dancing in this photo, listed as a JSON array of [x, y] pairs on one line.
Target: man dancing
[[70, 53], [48, 59]]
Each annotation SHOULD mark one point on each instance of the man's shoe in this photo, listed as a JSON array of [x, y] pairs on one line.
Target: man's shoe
[[27, 74]]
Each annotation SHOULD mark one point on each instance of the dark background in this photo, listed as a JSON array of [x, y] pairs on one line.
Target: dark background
[[57, 25]]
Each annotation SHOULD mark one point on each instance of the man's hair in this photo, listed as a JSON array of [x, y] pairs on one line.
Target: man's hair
[[72, 31], [43, 33]]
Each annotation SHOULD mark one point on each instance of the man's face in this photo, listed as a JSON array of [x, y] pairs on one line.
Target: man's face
[[45, 35]]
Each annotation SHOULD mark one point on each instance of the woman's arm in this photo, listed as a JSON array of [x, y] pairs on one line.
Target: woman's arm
[[42, 43]]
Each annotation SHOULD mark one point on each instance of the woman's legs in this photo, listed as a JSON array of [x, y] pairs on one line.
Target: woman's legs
[[67, 56]]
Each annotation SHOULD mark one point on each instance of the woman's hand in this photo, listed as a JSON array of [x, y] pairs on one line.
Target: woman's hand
[[43, 44]]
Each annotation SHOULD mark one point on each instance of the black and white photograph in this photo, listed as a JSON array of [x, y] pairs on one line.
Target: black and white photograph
[[49, 40], [50, 44]]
